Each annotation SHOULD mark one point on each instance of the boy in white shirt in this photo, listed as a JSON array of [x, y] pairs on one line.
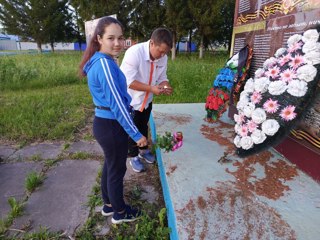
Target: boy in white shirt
[[145, 68]]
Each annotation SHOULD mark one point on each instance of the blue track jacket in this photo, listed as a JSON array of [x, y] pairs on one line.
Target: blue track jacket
[[108, 88]]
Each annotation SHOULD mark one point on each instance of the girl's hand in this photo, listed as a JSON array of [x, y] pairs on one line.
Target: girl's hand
[[142, 142]]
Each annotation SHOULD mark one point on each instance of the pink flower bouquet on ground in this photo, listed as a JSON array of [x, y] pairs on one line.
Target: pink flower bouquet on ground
[[169, 142], [273, 101]]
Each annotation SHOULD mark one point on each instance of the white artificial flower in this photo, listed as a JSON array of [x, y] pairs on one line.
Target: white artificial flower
[[261, 84], [277, 87], [307, 72], [246, 142], [310, 35], [279, 52], [312, 57], [241, 104], [294, 39], [244, 96], [249, 87], [259, 73], [258, 136], [297, 88], [237, 128], [236, 141], [270, 127], [247, 110], [311, 47], [270, 62], [258, 115], [234, 61]]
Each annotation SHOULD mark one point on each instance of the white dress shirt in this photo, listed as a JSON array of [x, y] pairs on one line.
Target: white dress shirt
[[136, 65]]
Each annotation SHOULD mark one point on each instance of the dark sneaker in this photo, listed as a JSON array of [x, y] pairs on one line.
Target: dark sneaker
[[147, 156], [106, 211], [136, 164], [130, 214]]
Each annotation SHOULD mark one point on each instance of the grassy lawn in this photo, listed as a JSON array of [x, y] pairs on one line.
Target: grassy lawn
[[43, 99]]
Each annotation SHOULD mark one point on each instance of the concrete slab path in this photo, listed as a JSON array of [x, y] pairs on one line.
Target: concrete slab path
[[211, 193]]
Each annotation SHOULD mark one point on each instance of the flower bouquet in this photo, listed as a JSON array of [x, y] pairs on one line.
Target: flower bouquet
[[169, 142], [234, 72], [275, 99], [217, 103]]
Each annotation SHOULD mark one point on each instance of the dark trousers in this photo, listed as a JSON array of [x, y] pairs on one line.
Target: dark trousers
[[141, 120], [114, 142]]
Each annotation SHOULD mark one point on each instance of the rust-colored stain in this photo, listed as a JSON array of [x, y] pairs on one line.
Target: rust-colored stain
[[232, 214], [272, 184], [276, 173], [221, 133], [201, 203], [171, 169], [178, 119]]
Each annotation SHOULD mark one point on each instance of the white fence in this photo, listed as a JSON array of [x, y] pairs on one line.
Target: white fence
[[8, 45], [13, 45], [33, 46]]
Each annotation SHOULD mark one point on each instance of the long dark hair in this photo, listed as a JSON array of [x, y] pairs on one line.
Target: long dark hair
[[94, 44]]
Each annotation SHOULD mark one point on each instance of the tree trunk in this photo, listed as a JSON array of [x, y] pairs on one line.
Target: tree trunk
[[173, 50], [52, 46], [190, 41], [201, 48], [39, 47]]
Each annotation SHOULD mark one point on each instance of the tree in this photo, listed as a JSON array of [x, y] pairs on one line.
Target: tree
[[42, 20], [213, 21], [87, 10], [178, 19], [144, 17]]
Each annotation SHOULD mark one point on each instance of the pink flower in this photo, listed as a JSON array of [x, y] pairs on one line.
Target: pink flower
[[273, 72], [252, 126], [295, 46], [271, 106], [243, 130], [285, 59], [256, 97], [288, 113], [239, 118], [288, 75], [296, 61]]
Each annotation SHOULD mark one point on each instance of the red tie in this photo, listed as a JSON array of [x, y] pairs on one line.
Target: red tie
[[147, 94]]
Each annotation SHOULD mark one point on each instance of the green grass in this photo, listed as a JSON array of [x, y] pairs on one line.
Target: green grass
[[16, 211], [33, 180], [38, 71], [191, 78], [54, 113]]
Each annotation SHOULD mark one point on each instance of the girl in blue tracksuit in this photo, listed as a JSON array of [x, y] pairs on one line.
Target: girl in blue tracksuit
[[112, 123]]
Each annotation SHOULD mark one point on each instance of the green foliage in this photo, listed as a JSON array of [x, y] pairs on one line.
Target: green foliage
[[16, 207], [165, 142], [33, 180], [16, 211], [40, 71], [146, 227], [42, 234], [80, 155], [45, 21]]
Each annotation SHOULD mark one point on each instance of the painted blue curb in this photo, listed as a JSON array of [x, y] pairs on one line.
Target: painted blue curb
[[165, 188]]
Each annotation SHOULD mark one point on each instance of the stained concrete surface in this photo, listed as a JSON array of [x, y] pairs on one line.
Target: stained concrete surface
[[88, 147], [12, 180], [60, 203], [217, 195], [37, 151]]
